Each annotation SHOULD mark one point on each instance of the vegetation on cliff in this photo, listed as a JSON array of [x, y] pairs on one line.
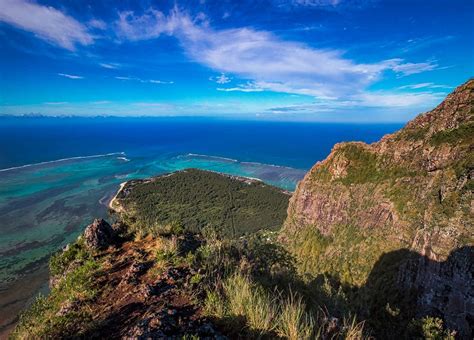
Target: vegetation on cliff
[[378, 242], [354, 213]]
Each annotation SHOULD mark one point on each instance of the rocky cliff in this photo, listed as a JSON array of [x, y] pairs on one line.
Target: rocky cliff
[[413, 191]]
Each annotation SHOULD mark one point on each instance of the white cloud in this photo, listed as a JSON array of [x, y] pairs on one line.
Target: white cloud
[[249, 87], [271, 63], [221, 79], [316, 3], [123, 78], [55, 103], [109, 65], [151, 81], [424, 86], [98, 24], [387, 99], [70, 76], [46, 23], [149, 25], [407, 69]]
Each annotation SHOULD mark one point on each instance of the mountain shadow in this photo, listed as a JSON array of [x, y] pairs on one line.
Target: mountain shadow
[[404, 285]]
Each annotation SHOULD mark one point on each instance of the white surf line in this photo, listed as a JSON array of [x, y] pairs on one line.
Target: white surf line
[[211, 156], [241, 162], [272, 165], [62, 160]]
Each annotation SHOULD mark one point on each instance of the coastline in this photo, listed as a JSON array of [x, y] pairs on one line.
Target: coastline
[[112, 201]]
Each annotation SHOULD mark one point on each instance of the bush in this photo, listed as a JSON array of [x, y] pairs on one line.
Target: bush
[[430, 328], [75, 252]]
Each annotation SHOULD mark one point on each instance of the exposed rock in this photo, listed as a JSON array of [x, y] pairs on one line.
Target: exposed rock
[[99, 235], [134, 271], [445, 289], [411, 190]]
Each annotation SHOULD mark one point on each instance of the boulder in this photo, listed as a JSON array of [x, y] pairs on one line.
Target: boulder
[[99, 235]]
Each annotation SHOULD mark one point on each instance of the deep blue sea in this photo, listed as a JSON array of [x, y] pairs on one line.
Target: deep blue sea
[[57, 174]]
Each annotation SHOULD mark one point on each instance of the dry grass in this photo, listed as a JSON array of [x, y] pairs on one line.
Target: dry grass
[[245, 299], [294, 322], [276, 315]]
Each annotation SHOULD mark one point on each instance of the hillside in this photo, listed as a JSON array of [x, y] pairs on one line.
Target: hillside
[[377, 243], [194, 199], [396, 216]]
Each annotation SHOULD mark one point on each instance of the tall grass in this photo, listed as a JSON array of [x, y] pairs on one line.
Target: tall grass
[[294, 322], [251, 302], [275, 315]]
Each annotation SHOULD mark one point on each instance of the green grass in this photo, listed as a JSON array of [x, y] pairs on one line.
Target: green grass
[[363, 166], [462, 134], [78, 288], [76, 252], [271, 313], [413, 134], [294, 321]]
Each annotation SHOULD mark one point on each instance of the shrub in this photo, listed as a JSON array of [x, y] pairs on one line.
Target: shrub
[[430, 328], [75, 252]]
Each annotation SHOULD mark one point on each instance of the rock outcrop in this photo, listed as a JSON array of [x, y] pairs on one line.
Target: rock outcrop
[[99, 234], [411, 190]]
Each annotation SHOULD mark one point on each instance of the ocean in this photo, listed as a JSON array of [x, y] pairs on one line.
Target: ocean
[[57, 174]]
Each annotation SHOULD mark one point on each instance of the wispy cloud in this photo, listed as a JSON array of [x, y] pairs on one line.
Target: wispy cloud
[[407, 69], [55, 103], [221, 79], [110, 65], [98, 24], [406, 100], [70, 76], [151, 81], [149, 25], [123, 78], [315, 3], [46, 23], [249, 87], [423, 42], [424, 86], [271, 63]]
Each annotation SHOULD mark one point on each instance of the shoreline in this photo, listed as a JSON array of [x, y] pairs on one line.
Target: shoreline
[[110, 205]]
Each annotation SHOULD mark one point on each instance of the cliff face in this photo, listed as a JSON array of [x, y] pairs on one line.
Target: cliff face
[[411, 190]]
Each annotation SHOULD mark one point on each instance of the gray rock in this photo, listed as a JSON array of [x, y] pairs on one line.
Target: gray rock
[[99, 235]]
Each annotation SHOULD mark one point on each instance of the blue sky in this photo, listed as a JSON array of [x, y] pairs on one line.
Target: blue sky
[[315, 60]]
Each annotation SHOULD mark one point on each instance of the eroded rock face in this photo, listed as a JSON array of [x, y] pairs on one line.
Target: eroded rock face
[[411, 190], [444, 289], [99, 235]]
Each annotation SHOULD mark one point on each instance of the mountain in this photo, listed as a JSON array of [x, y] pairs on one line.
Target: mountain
[[403, 205], [378, 242]]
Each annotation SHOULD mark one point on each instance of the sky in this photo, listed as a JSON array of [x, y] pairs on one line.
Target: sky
[[301, 60]]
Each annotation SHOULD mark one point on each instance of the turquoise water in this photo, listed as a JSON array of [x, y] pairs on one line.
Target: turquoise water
[[45, 206], [56, 175]]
